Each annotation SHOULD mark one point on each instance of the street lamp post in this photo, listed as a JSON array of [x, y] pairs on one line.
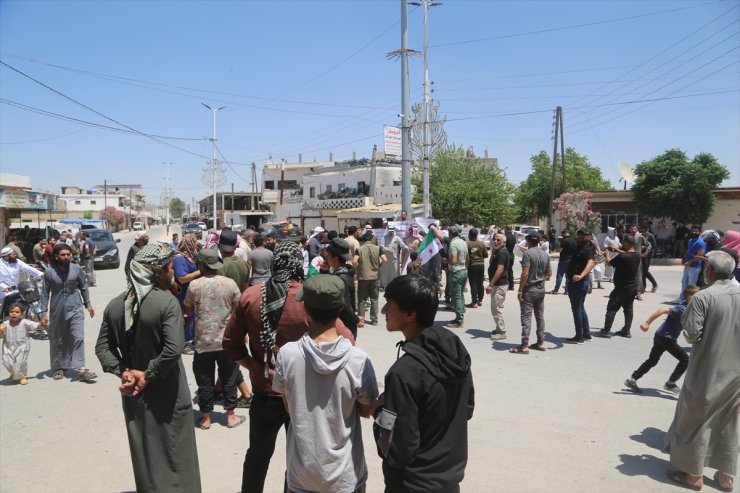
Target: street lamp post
[[214, 164]]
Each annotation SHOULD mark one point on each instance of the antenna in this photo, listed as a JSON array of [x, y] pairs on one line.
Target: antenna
[[626, 173]]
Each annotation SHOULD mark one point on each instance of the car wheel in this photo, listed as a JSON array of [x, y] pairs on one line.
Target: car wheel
[[117, 264]]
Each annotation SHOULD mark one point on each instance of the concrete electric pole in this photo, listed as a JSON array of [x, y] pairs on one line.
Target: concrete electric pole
[[214, 164], [167, 193]]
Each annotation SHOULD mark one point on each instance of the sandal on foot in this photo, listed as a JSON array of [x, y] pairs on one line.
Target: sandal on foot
[[87, 376], [58, 375], [204, 427], [519, 350], [539, 346], [242, 419], [719, 483], [683, 479]]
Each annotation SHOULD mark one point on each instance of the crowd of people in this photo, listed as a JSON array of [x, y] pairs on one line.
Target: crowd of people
[[289, 312]]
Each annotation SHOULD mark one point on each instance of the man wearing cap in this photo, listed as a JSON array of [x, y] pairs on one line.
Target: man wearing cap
[[10, 271], [64, 293], [324, 440], [140, 341], [457, 274], [266, 317], [210, 299], [339, 258], [141, 239], [578, 285], [370, 261], [531, 296], [233, 267]]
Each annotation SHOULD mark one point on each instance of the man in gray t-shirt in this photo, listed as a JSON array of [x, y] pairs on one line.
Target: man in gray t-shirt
[[260, 261], [535, 268]]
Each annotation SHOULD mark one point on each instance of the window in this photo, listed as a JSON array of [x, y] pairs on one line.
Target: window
[[77, 202], [312, 192], [328, 188], [290, 184], [361, 187], [93, 202], [269, 185], [341, 186]]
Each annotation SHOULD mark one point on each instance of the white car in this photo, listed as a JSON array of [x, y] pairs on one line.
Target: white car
[[203, 226], [138, 226]]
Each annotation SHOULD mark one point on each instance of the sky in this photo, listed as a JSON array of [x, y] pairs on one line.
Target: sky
[[96, 91]]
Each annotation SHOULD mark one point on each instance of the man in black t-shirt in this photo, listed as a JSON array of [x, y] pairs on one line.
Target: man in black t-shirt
[[625, 265], [510, 244], [498, 283], [568, 247], [578, 285]]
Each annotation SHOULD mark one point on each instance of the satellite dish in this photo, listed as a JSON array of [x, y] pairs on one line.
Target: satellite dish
[[626, 172]]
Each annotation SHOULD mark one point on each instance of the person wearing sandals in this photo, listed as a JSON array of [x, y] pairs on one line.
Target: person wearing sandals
[[62, 298], [535, 268], [140, 342]]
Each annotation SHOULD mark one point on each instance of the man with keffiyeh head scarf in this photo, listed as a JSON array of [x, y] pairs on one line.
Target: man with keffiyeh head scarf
[[185, 266], [266, 317], [140, 341]]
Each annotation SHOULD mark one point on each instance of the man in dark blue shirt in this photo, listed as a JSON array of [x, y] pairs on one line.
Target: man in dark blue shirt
[[692, 262]]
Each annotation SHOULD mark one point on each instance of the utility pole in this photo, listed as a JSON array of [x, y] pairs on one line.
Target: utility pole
[[426, 150], [167, 165], [557, 132], [214, 163], [405, 114]]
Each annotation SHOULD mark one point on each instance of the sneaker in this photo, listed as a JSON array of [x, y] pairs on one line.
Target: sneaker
[[374, 322], [87, 376], [638, 297], [498, 335], [24, 381], [672, 387], [632, 385], [574, 340], [455, 324], [244, 402], [623, 333], [587, 338], [604, 333]]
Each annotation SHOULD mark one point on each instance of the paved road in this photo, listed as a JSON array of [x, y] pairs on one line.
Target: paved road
[[559, 421]]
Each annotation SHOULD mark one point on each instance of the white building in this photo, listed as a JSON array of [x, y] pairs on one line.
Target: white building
[[281, 185]]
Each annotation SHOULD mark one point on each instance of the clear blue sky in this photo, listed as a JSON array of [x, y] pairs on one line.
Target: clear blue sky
[[312, 77]]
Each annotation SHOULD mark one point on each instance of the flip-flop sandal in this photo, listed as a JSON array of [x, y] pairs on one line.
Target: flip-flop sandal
[[57, 375], [538, 347], [519, 350], [719, 485], [204, 427], [87, 376], [683, 479], [242, 419]]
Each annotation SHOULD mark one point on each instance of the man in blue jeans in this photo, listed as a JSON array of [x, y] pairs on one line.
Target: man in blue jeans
[[580, 267], [568, 247], [691, 262]]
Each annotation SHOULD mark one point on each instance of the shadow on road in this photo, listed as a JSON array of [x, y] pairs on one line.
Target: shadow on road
[[649, 393], [652, 437], [645, 465]]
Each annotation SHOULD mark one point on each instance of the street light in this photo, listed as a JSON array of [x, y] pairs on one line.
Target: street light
[[214, 164]]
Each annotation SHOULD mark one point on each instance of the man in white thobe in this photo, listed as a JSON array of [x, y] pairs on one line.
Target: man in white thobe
[[704, 432]]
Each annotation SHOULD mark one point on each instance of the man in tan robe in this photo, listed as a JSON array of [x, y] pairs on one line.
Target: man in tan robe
[[705, 428]]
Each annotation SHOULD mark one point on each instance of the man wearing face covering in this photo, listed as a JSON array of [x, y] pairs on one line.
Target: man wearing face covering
[[140, 341], [65, 288]]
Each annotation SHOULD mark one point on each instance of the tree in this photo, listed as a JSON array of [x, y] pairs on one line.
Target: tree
[[574, 211], [177, 207], [532, 198], [112, 215], [465, 187], [670, 185]]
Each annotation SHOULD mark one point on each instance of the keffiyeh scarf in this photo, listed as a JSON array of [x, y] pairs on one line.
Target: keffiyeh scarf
[[142, 277]]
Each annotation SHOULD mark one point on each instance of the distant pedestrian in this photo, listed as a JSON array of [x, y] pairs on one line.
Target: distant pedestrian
[[339, 259], [368, 274], [87, 256], [626, 266], [510, 244], [666, 339], [705, 430], [141, 238], [568, 246], [457, 274], [578, 285], [63, 296], [477, 255], [140, 342], [186, 269], [393, 248], [175, 241], [692, 262], [324, 437], [16, 343], [260, 262], [415, 265], [498, 283], [535, 268]]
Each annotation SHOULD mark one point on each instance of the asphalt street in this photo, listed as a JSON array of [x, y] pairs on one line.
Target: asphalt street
[[554, 421]]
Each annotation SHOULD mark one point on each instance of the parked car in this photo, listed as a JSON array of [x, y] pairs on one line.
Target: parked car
[[106, 248], [193, 228], [138, 226], [522, 230], [284, 231], [203, 226]]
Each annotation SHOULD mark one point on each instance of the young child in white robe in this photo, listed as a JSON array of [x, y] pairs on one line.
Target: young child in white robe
[[16, 344]]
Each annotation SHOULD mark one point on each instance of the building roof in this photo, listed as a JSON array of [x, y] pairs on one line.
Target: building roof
[[374, 211]]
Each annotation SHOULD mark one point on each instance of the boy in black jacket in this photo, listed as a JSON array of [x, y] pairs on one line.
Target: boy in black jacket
[[421, 423]]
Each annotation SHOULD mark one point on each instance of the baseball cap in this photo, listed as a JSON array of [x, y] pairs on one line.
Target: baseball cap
[[322, 291], [209, 257], [454, 229], [339, 248], [584, 232], [533, 236], [228, 240]]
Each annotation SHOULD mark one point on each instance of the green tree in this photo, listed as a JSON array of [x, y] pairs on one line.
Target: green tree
[[465, 187], [532, 198], [670, 185], [177, 207]]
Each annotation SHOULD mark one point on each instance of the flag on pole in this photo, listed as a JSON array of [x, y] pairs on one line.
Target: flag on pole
[[428, 248]]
